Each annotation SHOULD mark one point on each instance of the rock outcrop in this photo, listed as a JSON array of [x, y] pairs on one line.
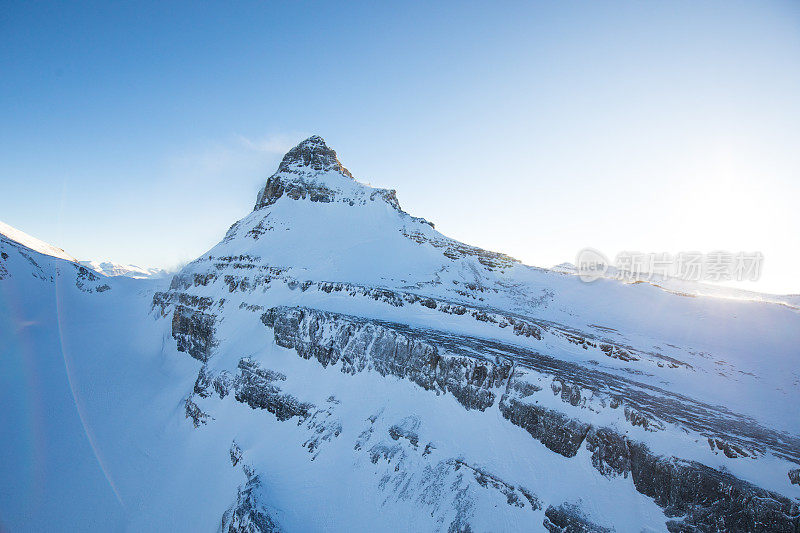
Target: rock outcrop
[[256, 387], [388, 349], [568, 518], [298, 178], [248, 514], [194, 332]]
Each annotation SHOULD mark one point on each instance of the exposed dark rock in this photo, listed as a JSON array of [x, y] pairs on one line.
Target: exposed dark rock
[[794, 476], [429, 303], [255, 387], [313, 154], [568, 518], [515, 496], [86, 274], [222, 384], [194, 331], [164, 300], [534, 502], [390, 197], [295, 179], [522, 389], [294, 188], [610, 454], [407, 429], [526, 329], [730, 450], [86, 280], [472, 369], [248, 514], [195, 414], [708, 499], [202, 383], [386, 452], [638, 419], [235, 453], [324, 428], [570, 394], [360, 345], [616, 352], [557, 431]]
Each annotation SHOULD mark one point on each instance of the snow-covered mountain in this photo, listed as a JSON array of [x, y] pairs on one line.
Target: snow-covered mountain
[[337, 364], [110, 268], [687, 287]]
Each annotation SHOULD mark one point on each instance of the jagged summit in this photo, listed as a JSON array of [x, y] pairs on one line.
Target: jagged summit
[[311, 171], [314, 155]]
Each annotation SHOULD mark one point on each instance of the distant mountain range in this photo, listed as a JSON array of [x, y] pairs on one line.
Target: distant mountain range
[[106, 268], [110, 268]]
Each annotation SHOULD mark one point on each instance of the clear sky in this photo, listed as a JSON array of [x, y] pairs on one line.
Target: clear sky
[[140, 131]]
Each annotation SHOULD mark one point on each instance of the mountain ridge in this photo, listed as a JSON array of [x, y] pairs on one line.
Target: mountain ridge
[[33, 243]]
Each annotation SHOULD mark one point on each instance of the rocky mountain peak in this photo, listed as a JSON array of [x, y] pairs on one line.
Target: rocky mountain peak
[[312, 171], [314, 155]]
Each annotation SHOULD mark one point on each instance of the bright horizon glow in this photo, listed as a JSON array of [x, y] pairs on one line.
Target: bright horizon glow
[[140, 134]]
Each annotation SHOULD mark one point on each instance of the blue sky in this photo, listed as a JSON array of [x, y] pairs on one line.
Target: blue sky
[[140, 131]]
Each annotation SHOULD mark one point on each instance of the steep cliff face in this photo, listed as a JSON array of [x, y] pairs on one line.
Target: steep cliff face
[[390, 349], [331, 273]]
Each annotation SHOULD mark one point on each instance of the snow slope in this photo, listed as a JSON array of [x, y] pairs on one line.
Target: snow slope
[[337, 364], [93, 436], [33, 243]]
